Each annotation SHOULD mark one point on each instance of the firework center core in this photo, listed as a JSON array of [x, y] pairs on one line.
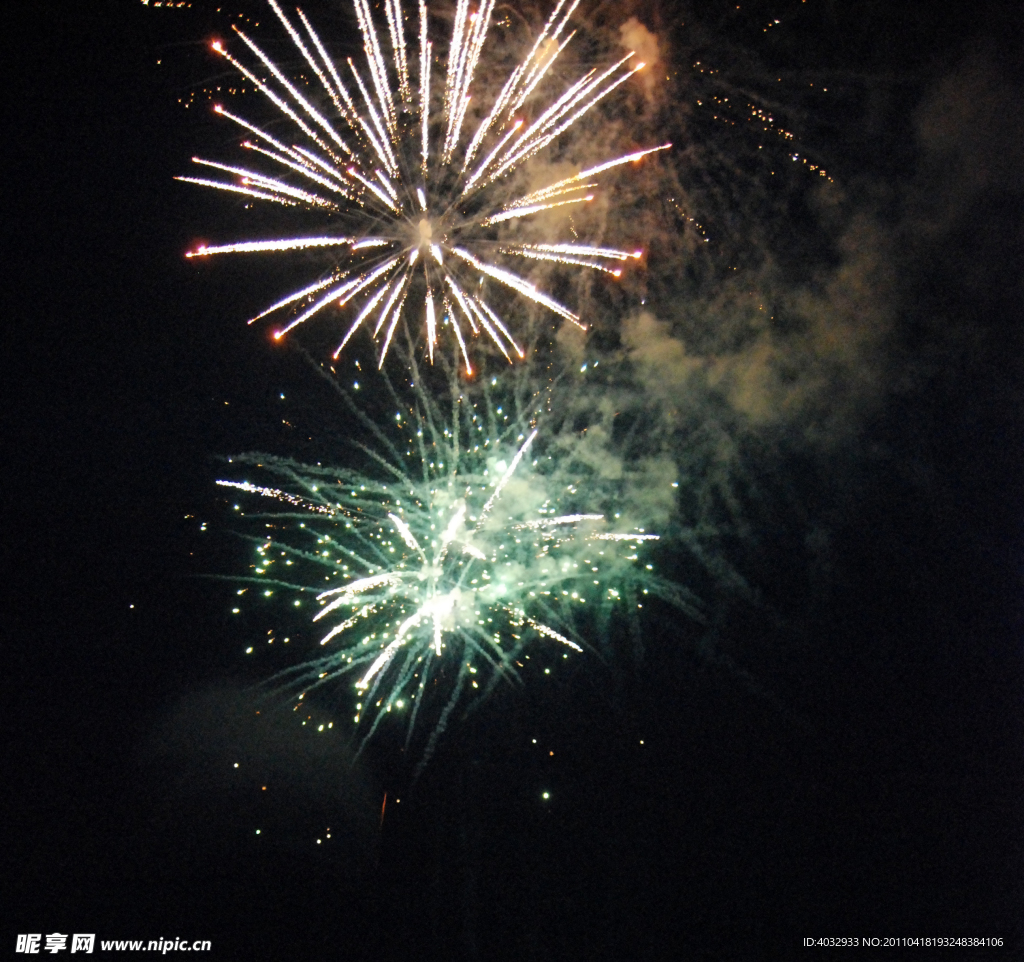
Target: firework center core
[[426, 232]]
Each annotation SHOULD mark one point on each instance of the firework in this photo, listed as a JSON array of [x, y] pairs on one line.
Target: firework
[[467, 545], [419, 192]]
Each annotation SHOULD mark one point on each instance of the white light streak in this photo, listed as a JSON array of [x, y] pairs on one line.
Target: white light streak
[[293, 243], [625, 537]]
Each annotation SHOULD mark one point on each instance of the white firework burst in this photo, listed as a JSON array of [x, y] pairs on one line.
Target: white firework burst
[[392, 157]]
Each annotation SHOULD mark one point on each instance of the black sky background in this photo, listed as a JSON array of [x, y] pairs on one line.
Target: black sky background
[[866, 782]]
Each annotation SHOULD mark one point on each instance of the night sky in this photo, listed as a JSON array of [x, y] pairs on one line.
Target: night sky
[[836, 753]]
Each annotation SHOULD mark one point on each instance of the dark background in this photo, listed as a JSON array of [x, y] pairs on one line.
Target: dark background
[[858, 774]]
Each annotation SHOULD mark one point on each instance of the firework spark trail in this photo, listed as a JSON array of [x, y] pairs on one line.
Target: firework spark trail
[[461, 553], [278, 495], [420, 215]]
